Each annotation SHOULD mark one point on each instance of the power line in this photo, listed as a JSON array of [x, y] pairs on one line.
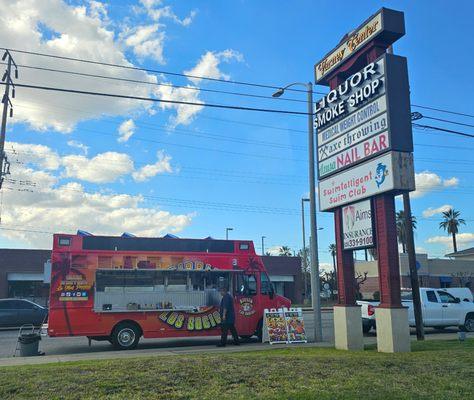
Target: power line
[[83, 74], [436, 128], [188, 103], [449, 121], [444, 111], [153, 70]]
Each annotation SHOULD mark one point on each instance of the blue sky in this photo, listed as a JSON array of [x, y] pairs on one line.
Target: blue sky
[[110, 166]]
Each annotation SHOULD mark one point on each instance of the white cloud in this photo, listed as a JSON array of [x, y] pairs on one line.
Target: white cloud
[[103, 168], [208, 65], [273, 251], [147, 41], [427, 181], [54, 27], [126, 130], [156, 13], [461, 239], [420, 250], [37, 154], [429, 212], [150, 170], [78, 145], [185, 114], [69, 207]]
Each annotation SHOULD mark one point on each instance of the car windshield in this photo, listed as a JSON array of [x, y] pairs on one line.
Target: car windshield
[[406, 296]]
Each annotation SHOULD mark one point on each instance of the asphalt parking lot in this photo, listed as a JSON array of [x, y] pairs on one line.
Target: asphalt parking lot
[[79, 345]]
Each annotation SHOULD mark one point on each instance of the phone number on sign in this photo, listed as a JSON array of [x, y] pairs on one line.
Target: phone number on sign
[[359, 242]]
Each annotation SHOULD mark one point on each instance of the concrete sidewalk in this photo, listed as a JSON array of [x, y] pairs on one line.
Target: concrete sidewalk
[[171, 351]]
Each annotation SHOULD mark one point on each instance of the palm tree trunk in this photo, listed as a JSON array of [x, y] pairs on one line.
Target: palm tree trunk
[[455, 247]]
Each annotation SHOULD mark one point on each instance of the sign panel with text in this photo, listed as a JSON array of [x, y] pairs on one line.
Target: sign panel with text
[[386, 25], [357, 226], [365, 116], [391, 172]]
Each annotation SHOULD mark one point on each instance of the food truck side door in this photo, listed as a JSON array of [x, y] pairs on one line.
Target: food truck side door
[[246, 303]]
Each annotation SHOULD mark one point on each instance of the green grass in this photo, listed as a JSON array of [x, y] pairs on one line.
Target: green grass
[[434, 369]]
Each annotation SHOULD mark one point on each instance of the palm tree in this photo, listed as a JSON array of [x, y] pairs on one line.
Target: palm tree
[[450, 224], [284, 251], [401, 228]]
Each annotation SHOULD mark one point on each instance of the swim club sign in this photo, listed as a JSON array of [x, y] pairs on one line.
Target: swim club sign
[[387, 25], [357, 226], [354, 121], [391, 172]]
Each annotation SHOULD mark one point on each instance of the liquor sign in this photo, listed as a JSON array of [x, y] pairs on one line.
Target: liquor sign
[[357, 226], [365, 116], [387, 25], [392, 171]]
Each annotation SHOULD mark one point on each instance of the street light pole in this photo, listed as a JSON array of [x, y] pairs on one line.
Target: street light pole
[[305, 266], [315, 289], [263, 245], [227, 232]]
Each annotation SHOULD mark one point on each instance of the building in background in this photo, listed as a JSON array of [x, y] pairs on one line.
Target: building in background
[[432, 272], [25, 273], [285, 274]]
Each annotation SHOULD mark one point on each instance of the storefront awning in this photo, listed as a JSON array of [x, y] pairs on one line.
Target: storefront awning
[[282, 278], [23, 276]]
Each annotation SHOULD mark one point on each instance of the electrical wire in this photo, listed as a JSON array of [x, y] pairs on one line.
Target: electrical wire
[[259, 85], [194, 88], [444, 111]]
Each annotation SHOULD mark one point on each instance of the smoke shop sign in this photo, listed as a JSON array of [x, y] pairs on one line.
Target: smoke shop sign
[[392, 171], [351, 94], [357, 228]]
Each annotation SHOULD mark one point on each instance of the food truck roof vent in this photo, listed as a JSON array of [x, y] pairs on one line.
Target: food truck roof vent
[[83, 233], [127, 235]]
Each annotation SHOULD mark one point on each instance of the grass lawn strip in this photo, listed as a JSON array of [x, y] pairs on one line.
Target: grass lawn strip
[[434, 369]]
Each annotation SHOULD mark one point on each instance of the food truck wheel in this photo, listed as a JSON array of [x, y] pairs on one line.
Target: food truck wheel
[[126, 335]]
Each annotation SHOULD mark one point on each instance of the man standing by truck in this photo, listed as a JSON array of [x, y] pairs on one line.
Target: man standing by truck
[[228, 317]]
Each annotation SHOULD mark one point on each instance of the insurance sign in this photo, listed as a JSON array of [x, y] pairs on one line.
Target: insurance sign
[[357, 225]]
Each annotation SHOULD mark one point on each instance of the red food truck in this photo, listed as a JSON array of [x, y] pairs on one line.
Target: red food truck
[[121, 288]]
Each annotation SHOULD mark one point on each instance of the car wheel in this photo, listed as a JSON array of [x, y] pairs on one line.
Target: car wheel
[[126, 336], [469, 323]]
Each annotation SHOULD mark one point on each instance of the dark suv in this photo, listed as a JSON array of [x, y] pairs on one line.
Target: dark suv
[[17, 312]]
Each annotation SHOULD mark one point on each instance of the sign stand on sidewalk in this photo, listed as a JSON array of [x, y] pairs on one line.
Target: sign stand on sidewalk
[[283, 326]]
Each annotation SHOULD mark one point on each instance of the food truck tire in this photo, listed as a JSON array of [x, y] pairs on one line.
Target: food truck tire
[[126, 335]]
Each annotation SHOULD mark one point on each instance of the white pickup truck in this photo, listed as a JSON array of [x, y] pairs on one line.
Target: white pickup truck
[[439, 309]]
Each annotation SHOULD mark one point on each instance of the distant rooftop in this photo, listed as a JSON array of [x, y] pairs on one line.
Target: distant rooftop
[[461, 253]]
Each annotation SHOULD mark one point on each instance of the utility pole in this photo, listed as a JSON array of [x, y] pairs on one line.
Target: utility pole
[[4, 164], [227, 230], [415, 285], [263, 245]]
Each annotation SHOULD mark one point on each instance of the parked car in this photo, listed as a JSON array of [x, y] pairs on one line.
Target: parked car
[[17, 312], [440, 309]]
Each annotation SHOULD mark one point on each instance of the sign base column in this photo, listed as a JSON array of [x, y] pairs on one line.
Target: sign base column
[[393, 332], [348, 328]]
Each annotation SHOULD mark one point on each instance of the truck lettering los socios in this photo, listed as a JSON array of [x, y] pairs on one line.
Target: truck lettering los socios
[[122, 288]]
